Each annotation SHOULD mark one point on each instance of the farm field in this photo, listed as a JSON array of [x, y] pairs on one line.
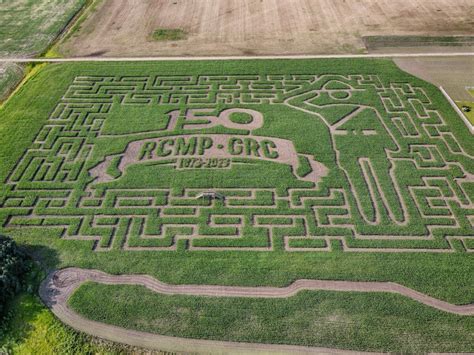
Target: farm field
[[27, 27], [247, 173], [10, 75], [261, 27]]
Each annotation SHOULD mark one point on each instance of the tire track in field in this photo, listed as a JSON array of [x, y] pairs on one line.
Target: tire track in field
[[59, 285]]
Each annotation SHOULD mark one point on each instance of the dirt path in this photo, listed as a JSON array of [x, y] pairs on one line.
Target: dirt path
[[58, 287], [191, 58]]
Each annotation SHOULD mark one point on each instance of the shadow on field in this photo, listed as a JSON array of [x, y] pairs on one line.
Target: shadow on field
[[46, 259]]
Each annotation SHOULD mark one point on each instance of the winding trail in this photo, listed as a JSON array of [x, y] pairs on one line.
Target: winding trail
[[59, 285]]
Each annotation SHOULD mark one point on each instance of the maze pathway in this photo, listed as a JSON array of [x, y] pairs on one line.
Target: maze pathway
[[392, 178]]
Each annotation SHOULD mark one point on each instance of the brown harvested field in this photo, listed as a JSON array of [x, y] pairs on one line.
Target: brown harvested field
[[246, 27]]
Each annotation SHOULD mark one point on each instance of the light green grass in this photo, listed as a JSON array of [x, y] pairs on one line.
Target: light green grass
[[28, 327], [469, 115], [33, 329]]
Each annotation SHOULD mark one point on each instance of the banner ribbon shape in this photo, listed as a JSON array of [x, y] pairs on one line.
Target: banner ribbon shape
[[210, 151]]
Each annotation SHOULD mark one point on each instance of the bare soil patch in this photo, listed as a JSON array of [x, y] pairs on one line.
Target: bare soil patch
[[262, 27], [454, 74]]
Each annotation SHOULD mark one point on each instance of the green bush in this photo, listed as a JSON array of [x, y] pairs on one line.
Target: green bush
[[14, 264]]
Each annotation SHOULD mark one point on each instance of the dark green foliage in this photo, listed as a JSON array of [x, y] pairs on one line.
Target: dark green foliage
[[14, 264]]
